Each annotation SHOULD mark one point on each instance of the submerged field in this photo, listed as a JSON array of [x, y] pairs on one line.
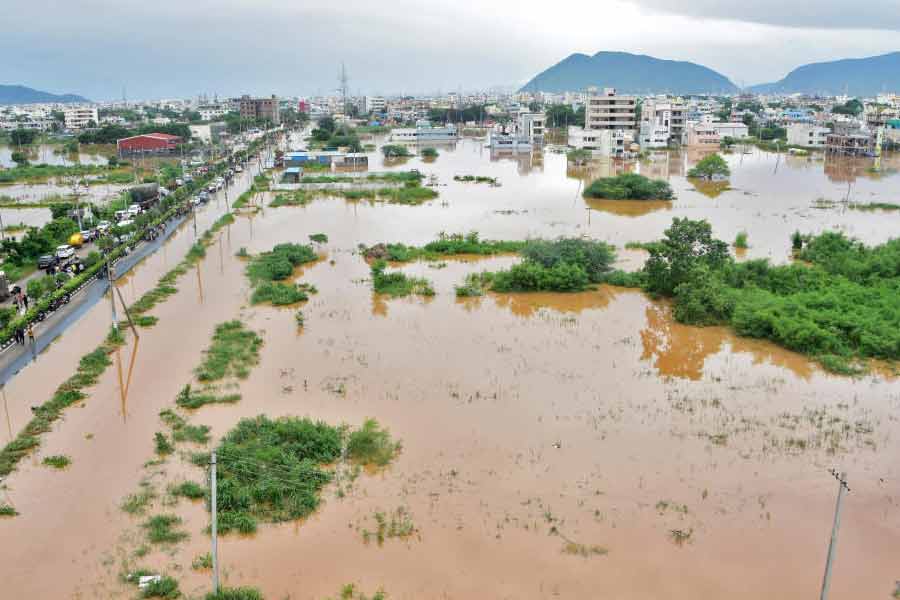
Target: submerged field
[[553, 445]]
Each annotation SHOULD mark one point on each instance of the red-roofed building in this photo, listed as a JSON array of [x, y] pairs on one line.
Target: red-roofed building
[[148, 143]]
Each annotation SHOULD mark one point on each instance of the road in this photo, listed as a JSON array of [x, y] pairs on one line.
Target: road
[[15, 357]]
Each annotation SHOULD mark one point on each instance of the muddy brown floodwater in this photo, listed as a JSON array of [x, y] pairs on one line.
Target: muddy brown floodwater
[[699, 460]]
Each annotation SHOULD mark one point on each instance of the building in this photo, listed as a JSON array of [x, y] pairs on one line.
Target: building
[[373, 104], [209, 133], [807, 135], [702, 135], [661, 115], [424, 132], [849, 140], [148, 143], [211, 113], [531, 125], [602, 142], [737, 131], [80, 118], [609, 111], [265, 109], [653, 135]]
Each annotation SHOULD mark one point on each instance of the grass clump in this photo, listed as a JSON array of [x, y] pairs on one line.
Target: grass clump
[[161, 529], [164, 587], [7, 511], [876, 206], [446, 245], [57, 461], [295, 198], [271, 470], [400, 526], [475, 179], [629, 186], [279, 263], [202, 562], [234, 350], [189, 489], [278, 294], [398, 284], [190, 399], [241, 593], [349, 592], [318, 238], [198, 434], [740, 241], [430, 153], [135, 504], [371, 445], [163, 446], [583, 550]]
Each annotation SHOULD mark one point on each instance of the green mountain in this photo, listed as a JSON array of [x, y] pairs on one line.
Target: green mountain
[[853, 76], [629, 73], [19, 94]]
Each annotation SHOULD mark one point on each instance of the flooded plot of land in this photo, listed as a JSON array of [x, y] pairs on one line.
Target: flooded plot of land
[[554, 445], [55, 155]]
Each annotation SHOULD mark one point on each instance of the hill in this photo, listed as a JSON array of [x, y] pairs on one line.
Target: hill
[[19, 94], [853, 76], [634, 73]]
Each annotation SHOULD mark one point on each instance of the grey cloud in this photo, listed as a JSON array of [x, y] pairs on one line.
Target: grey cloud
[[820, 14]]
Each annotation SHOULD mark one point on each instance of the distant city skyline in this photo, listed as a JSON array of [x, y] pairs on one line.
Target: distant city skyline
[[167, 49]]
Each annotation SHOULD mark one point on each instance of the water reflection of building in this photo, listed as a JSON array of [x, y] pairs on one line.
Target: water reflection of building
[[526, 162], [845, 169], [656, 166]]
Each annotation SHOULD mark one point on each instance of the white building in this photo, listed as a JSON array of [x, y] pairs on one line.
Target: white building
[[373, 104], [653, 135], [79, 118], [807, 134], [737, 131], [424, 132], [702, 135], [603, 142], [211, 113], [531, 126]]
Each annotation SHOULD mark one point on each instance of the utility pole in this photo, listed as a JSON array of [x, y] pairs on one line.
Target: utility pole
[[112, 295], [215, 549], [832, 546]]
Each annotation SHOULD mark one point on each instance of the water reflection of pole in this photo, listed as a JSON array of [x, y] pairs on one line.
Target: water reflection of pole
[[832, 545], [199, 283], [214, 525], [6, 407]]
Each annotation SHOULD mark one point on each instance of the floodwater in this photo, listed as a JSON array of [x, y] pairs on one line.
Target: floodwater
[[54, 155], [526, 420]]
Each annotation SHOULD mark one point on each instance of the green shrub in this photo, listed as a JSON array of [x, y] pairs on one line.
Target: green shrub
[[371, 444], [189, 489], [740, 241], [161, 529], [395, 151], [241, 593], [278, 294], [397, 284], [7, 511], [163, 446], [58, 461], [629, 186], [165, 587], [234, 350]]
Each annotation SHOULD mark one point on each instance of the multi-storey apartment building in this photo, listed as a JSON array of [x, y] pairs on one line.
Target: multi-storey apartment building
[[260, 108], [661, 115], [81, 117], [609, 111]]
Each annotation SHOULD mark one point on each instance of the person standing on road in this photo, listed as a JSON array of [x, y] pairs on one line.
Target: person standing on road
[[31, 339]]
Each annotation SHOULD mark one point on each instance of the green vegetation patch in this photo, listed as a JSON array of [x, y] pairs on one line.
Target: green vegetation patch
[[279, 263], [234, 350], [446, 245], [397, 284], [629, 186], [240, 593], [562, 265], [194, 399], [274, 470], [164, 587], [189, 489], [57, 461], [7, 511], [295, 198], [162, 529], [476, 179], [841, 307]]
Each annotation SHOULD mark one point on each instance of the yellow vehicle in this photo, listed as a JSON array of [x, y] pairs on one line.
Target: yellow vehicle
[[76, 240]]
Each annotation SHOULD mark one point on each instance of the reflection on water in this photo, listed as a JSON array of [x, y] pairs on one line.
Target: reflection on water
[[711, 189], [628, 208], [528, 304], [678, 350], [53, 155], [526, 162]]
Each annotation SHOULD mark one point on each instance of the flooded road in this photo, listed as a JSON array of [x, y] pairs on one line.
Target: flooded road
[[697, 459]]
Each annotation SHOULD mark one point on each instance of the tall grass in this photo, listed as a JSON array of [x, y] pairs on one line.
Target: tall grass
[[234, 350]]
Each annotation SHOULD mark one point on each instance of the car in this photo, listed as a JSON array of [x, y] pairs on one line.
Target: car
[[103, 226], [179, 182], [212, 188], [195, 201], [204, 196], [89, 235], [239, 169], [121, 214], [188, 179], [65, 251], [46, 261]]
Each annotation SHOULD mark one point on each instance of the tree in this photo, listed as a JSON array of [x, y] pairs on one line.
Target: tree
[[19, 158], [851, 107], [686, 246], [327, 124], [709, 167], [22, 137]]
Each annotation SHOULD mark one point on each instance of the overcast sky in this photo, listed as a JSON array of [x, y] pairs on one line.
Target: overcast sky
[[179, 48]]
